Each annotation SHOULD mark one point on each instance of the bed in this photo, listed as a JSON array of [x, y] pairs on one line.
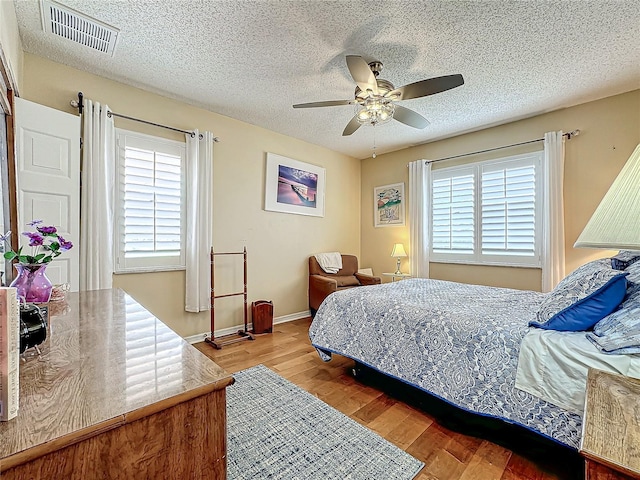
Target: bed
[[462, 343]]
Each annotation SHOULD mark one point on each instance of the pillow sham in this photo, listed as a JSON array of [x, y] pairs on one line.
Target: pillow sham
[[582, 298], [625, 319], [633, 280], [633, 270], [624, 259], [617, 343]]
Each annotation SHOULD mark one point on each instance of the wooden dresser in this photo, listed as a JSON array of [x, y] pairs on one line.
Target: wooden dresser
[[611, 427], [115, 394]]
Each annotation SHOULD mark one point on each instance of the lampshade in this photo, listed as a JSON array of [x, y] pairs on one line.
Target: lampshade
[[616, 222], [398, 250]]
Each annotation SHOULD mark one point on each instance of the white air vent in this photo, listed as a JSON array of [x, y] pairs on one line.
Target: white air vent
[[77, 27]]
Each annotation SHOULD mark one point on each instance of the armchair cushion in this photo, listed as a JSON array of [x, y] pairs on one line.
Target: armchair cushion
[[347, 280], [367, 279]]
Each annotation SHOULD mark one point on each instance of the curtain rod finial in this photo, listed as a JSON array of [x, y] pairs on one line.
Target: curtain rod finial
[[573, 133]]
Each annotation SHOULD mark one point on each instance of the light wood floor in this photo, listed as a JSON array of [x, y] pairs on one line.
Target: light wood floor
[[447, 454]]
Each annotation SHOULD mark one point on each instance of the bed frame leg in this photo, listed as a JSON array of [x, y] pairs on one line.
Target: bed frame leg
[[357, 371]]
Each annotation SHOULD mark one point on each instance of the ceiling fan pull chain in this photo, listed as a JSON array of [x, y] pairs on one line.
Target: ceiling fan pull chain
[[374, 141]]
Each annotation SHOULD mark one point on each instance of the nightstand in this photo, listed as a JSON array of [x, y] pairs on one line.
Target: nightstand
[[611, 427], [398, 276]]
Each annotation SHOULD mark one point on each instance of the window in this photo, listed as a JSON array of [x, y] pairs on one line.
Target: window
[[150, 203], [488, 212]]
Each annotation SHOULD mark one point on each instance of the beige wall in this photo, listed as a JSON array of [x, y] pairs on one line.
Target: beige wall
[[610, 130], [10, 44], [278, 244]]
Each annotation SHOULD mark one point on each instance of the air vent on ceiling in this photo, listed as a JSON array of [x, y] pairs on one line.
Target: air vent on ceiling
[[77, 27]]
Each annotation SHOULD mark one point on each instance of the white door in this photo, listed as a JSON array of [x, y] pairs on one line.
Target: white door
[[48, 171]]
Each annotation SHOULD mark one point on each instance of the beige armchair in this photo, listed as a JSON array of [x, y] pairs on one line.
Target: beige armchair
[[321, 283]]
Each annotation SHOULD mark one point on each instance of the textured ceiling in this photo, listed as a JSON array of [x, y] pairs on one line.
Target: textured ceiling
[[252, 60]]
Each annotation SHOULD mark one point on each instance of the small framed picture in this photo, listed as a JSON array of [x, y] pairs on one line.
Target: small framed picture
[[292, 186], [388, 205]]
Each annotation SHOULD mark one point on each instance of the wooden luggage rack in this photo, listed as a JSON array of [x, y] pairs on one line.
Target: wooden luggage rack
[[242, 334]]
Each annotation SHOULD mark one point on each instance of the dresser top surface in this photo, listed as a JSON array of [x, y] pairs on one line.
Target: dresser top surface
[[106, 359]]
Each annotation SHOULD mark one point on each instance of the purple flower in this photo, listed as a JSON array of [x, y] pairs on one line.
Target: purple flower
[[45, 245], [47, 230], [35, 239], [64, 245]]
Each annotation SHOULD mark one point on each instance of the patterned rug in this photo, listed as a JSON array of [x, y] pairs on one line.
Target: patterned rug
[[276, 430]]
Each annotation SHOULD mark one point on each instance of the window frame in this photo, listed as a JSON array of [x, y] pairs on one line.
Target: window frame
[[156, 263], [477, 257]]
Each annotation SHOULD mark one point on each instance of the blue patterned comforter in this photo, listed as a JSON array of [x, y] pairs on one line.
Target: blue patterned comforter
[[459, 342]]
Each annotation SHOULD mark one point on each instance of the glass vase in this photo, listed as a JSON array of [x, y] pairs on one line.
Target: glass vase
[[32, 283]]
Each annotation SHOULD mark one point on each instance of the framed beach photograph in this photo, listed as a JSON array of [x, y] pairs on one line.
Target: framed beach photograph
[[388, 205], [292, 186]]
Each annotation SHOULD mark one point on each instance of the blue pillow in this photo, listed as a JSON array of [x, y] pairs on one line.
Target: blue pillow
[[584, 297], [624, 258]]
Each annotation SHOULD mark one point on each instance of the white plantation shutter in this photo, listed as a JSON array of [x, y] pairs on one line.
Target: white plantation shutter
[[508, 209], [151, 203], [453, 212], [152, 198], [488, 212]]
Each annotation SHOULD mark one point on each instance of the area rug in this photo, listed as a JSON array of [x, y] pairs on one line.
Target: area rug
[[276, 430]]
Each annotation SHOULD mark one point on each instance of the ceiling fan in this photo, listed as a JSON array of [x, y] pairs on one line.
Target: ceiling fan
[[375, 98]]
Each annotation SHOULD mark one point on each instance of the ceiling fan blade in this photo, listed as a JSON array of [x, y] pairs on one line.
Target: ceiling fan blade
[[351, 127], [409, 117], [330, 103], [424, 88], [362, 74]]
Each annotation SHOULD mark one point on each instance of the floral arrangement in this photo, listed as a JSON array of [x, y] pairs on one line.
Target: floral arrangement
[[45, 245]]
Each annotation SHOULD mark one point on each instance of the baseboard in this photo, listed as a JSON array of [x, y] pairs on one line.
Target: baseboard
[[199, 337], [291, 317]]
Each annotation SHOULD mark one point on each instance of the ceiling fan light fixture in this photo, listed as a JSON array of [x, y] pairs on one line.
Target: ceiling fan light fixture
[[375, 110]]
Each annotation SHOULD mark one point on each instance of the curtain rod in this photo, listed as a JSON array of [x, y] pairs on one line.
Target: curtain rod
[[573, 133], [120, 115], [79, 105]]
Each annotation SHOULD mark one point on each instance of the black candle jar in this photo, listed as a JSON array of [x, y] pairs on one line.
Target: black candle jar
[[33, 326]]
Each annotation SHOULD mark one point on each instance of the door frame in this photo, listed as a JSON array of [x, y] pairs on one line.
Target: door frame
[[8, 91]]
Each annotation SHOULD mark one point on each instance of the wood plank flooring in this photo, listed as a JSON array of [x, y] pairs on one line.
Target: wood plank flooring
[[447, 454]]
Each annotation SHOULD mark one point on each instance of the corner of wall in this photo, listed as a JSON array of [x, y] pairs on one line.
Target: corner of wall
[[11, 52]]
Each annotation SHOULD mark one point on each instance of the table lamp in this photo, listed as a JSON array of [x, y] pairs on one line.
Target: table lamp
[[398, 252], [616, 222]]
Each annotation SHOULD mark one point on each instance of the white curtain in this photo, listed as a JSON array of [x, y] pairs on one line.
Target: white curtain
[[553, 216], [96, 199], [199, 220], [419, 217]]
